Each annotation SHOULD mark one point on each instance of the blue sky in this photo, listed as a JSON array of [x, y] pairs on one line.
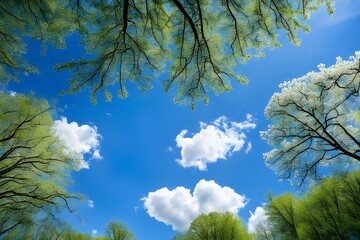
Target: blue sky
[[136, 137]]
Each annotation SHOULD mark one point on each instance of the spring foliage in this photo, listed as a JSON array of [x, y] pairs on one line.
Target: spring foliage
[[329, 210], [44, 20], [215, 226], [197, 41], [34, 165]]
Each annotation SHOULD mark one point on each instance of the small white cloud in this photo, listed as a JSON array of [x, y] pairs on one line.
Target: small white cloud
[[179, 207], [215, 141], [91, 203], [170, 149], [109, 114], [248, 147], [9, 92], [83, 164], [82, 139], [94, 232], [258, 220], [96, 154]]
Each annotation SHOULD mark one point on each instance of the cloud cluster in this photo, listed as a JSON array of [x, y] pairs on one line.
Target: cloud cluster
[[258, 219], [216, 140], [82, 139], [179, 207]]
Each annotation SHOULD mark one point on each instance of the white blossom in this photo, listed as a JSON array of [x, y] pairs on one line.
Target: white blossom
[[313, 122]]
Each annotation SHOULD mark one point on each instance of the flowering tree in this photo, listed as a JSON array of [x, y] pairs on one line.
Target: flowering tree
[[314, 122]]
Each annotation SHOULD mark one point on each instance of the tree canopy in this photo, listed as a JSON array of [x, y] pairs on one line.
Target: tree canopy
[[118, 231], [44, 20], [51, 228], [197, 42], [329, 210], [34, 165], [314, 122], [215, 226]]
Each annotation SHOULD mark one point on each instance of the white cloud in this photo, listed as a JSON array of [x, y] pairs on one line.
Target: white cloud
[[179, 207], [257, 220], [214, 141], [83, 164], [82, 139], [96, 154], [248, 148], [94, 232], [91, 203], [9, 92]]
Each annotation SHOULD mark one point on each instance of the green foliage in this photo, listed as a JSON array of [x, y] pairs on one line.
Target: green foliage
[[199, 42], [45, 20], [72, 234], [101, 238], [215, 226], [15, 224], [118, 231], [55, 229], [357, 116], [34, 165], [329, 210], [132, 40], [51, 228], [283, 217]]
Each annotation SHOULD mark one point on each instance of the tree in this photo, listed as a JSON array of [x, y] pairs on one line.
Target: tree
[[48, 228], [314, 123], [283, 217], [34, 164], [72, 234], [331, 208], [262, 229], [216, 226], [118, 231], [328, 211], [44, 20], [15, 224], [198, 41]]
